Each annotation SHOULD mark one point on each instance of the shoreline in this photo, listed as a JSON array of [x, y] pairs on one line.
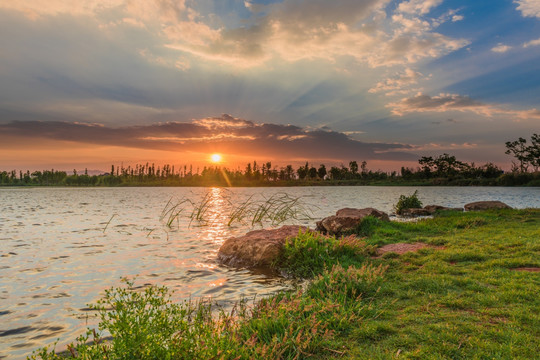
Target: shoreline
[[464, 295]]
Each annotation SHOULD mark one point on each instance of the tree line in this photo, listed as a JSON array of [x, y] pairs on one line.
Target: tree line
[[444, 169]]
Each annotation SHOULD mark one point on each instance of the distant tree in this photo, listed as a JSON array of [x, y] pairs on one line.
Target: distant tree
[[312, 173], [534, 151], [302, 171], [353, 166], [363, 167], [289, 172], [520, 151], [335, 173], [321, 172]]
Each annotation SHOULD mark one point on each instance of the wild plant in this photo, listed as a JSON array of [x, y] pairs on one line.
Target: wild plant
[[407, 202]]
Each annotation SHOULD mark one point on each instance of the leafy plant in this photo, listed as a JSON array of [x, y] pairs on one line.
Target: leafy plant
[[407, 202]]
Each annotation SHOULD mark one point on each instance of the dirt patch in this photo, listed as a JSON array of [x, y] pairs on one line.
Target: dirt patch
[[528, 269], [402, 248]]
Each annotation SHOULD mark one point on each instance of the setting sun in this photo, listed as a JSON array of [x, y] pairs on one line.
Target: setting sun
[[215, 158]]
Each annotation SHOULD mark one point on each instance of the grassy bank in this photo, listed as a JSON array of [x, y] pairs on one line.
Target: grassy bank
[[462, 298]]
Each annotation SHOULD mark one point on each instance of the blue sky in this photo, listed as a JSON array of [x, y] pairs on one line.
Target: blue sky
[[324, 81]]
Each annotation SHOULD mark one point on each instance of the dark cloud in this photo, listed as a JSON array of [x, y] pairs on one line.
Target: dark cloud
[[225, 133]]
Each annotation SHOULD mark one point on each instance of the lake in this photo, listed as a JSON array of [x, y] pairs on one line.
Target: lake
[[60, 248]]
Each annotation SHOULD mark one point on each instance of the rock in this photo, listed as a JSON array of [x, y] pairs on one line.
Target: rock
[[434, 208], [486, 205], [426, 210], [347, 219], [259, 248], [413, 212]]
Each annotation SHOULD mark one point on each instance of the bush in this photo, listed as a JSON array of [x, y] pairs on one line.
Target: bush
[[407, 202]]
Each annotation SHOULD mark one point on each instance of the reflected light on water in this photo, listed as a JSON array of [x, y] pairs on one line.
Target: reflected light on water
[[216, 230]]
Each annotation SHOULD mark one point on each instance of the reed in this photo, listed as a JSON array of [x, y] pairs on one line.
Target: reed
[[253, 211], [108, 222]]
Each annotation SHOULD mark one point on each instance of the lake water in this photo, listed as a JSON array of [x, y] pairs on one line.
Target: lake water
[[60, 248]]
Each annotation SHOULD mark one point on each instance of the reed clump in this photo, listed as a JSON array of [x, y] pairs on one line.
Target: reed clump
[[254, 211]]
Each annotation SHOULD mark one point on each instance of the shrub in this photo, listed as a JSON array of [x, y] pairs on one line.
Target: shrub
[[407, 202]]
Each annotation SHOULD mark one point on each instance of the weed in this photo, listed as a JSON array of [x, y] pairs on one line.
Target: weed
[[407, 202]]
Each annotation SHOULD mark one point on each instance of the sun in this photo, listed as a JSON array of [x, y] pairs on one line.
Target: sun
[[215, 158]]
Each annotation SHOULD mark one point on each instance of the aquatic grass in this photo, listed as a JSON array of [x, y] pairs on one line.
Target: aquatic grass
[[200, 209], [108, 222], [273, 210], [240, 212], [172, 211]]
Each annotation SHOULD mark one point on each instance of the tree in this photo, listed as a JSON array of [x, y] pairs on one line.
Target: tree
[[520, 151], [321, 172], [534, 151], [312, 173], [353, 166], [303, 171]]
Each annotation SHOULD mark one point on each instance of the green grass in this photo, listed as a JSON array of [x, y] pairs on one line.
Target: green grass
[[462, 300]]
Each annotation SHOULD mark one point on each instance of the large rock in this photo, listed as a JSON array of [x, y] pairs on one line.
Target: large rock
[[486, 205], [259, 248], [347, 220]]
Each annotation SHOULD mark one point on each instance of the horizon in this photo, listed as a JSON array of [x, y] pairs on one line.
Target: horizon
[[97, 83]]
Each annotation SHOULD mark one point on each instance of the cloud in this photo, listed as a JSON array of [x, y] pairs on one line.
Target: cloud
[[226, 133], [456, 18], [291, 30], [501, 48], [454, 102], [397, 84], [420, 7], [532, 43], [529, 8], [444, 146]]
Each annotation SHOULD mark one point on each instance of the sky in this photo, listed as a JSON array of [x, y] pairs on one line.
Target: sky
[[86, 84]]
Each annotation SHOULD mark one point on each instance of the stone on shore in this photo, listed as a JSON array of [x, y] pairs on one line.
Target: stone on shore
[[347, 220], [485, 205], [258, 248], [426, 210]]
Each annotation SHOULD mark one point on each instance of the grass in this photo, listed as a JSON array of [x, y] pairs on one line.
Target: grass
[[462, 301]]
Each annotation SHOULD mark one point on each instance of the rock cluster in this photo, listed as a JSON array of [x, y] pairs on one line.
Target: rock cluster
[[347, 220]]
